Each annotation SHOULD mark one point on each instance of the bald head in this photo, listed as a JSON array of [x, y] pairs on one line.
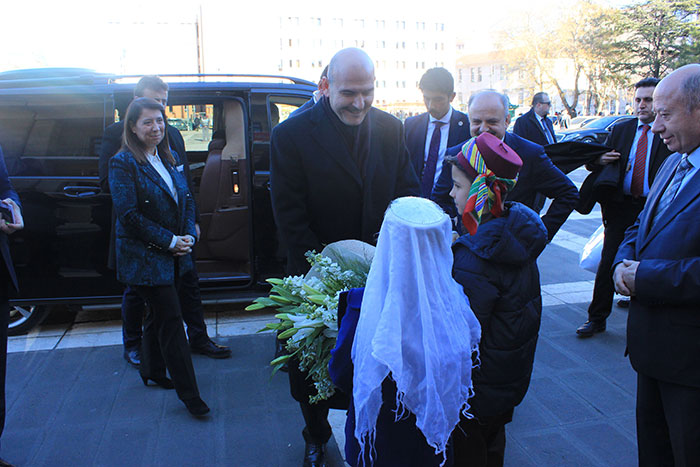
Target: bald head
[[351, 85], [677, 106], [488, 113], [349, 60]]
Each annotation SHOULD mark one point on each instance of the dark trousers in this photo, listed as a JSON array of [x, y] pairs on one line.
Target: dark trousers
[[4, 321], [668, 423], [191, 307], [617, 217], [164, 344], [482, 442]]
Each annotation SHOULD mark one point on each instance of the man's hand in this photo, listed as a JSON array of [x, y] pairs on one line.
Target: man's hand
[[17, 219], [608, 157], [629, 274], [620, 285], [198, 231]]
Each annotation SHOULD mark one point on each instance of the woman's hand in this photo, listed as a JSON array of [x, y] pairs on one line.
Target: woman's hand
[[17, 219], [183, 245]]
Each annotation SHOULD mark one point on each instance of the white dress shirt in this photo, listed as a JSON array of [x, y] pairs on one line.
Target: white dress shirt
[[444, 135], [156, 163]]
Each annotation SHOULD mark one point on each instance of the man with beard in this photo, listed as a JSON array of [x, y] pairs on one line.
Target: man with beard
[[334, 170]]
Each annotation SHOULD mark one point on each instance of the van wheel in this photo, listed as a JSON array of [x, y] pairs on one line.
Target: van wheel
[[24, 318]]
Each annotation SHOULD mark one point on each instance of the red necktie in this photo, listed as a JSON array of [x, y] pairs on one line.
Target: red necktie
[[640, 162]]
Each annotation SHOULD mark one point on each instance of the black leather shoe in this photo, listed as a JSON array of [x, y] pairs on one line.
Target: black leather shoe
[[211, 349], [133, 357], [589, 328], [196, 406], [623, 303], [162, 381], [314, 455]]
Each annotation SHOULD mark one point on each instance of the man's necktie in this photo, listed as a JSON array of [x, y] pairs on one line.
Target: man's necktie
[[547, 133], [672, 190], [429, 170], [640, 162]]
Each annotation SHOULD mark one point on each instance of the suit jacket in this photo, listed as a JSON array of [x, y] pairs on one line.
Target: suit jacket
[[417, 132], [663, 325], [147, 218], [319, 195], [528, 126], [605, 184], [6, 191], [112, 143], [537, 175]]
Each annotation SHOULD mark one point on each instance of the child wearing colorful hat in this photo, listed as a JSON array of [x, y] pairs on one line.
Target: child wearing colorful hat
[[495, 263]]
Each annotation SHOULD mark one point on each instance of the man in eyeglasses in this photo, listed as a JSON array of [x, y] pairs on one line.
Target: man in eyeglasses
[[534, 124]]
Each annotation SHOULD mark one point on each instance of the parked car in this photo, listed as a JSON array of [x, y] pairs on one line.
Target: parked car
[[180, 124], [579, 122], [51, 125], [594, 132]]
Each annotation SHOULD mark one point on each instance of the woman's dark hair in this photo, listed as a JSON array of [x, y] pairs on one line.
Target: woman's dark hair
[[132, 143]]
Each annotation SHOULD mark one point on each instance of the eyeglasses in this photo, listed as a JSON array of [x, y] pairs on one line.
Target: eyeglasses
[[546, 103]]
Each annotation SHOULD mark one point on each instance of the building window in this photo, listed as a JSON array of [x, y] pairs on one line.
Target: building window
[[473, 74], [403, 45], [479, 74], [290, 64], [403, 65], [290, 42]]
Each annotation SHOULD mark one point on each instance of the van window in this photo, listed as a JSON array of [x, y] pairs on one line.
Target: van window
[[195, 122], [52, 135]]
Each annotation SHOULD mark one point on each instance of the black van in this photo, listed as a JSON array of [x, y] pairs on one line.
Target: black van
[[51, 124]]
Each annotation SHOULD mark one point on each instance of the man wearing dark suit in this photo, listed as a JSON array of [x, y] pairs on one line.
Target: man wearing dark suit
[[658, 266], [188, 289], [488, 112], [534, 125], [8, 279], [429, 134], [634, 163], [334, 170], [318, 93]]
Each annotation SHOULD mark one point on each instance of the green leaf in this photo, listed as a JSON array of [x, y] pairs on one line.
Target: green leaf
[[278, 299], [275, 281], [255, 306], [317, 299], [288, 333], [281, 359]]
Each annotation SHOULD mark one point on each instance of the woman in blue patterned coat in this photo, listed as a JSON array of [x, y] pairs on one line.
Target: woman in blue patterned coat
[[155, 235]]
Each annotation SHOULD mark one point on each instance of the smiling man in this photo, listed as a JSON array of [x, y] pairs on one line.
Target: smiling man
[[658, 265], [334, 169], [429, 134], [634, 162]]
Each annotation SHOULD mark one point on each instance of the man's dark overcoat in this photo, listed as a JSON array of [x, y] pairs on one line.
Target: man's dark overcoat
[[320, 195]]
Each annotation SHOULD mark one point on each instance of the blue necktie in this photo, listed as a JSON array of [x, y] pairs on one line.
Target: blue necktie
[[672, 189], [547, 133], [428, 177]]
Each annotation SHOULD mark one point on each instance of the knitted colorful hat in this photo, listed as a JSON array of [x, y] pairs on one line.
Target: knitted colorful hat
[[493, 167]]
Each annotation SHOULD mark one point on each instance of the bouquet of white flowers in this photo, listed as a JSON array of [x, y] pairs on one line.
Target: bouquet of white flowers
[[308, 305]]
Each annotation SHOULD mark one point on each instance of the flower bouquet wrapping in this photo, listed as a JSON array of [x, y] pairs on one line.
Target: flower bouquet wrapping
[[308, 308]]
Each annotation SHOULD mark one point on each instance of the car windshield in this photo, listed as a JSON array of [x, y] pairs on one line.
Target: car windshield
[[601, 123]]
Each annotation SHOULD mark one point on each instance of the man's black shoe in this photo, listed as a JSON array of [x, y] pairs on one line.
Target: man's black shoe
[[211, 349], [589, 328], [133, 357], [623, 303], [314, 455]]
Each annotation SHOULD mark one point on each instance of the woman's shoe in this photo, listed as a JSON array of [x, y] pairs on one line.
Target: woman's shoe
[[162, 381], [196, 406]]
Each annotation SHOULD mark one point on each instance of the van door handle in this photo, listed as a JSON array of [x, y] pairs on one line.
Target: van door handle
[[80, 191]]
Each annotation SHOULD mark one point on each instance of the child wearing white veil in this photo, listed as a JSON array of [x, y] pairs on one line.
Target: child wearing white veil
[[406, 358]]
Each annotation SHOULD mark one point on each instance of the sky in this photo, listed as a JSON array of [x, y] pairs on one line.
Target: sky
[[112, 36]]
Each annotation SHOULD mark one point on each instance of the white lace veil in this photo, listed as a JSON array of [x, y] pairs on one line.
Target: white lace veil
[[415, 325]]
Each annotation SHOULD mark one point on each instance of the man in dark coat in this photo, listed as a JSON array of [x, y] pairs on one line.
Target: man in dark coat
[[429, 134], [488, 112], [534, 125], [634, 163], [318, 93], [334, 170], [190, 297], [658, 265], [8, 280]]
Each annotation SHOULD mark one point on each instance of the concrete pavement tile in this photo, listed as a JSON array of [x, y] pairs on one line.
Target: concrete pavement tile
[[567, 287], [552, 358], [170, 450], [575, 297], [622, 376], [267, 314], [515, 455], [607, 443], [45, 330], [603, 350], [95, 326], [607, 398], [552, 448], [551, 324], [550, 300], [19, 447], [557, 264], [246, 429], [75, 445], [337, 418], [32, 343], [627, 423], [583, 227], [565, 404], [136, 403], [241, 328], [70, 341], [128, 444], [85, 404], [530, 416]]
